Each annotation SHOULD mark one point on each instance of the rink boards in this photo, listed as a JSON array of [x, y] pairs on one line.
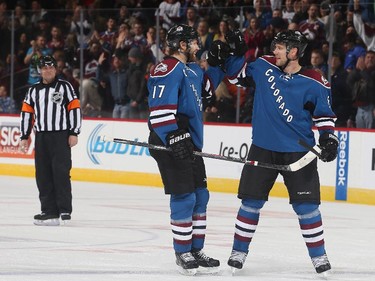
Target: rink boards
[[350, 178]]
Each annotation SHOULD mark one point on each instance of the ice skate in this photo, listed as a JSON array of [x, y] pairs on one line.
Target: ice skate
[[321, 264], [187, 265], [236, 260], [46, 220], [65, 218], [206, 264]]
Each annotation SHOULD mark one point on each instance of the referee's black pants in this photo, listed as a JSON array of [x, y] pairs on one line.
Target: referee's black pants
[[52, 164]]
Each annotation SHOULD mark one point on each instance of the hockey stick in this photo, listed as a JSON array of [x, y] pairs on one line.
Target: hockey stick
[[297, 165], [316, 149]]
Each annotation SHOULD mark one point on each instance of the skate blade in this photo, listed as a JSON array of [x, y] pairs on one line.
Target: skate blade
[[187, 272], [325, 275], [208, 270], [65, 222], [49, 222], [234, 270]]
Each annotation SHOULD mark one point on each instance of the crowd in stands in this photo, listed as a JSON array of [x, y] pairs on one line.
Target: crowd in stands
[[119, 40]]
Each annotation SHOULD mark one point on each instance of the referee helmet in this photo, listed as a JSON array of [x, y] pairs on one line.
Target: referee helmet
[[46, 61]]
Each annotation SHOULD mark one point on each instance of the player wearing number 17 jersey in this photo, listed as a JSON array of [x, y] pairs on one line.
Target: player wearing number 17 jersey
[[175, 100]]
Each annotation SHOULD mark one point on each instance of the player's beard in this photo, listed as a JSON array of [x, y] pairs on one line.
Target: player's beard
[[191, 57]]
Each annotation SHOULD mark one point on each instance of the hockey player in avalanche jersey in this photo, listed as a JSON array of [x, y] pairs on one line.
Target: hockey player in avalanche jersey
[[175, 100], [288, 101]]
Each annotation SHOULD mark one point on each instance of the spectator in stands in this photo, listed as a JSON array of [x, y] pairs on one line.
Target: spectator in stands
[[6, 36], [139, 39], [37, 13], [317, 62], [312, 27], [192, 18], [123, 15], [38, 48], [76, 24], [7, 104], [325, 9], [91, 101], [42, 28], [3, 14], [365, 8], [71, 50], [125, 39], [361, 81], [163, 40], [136, 88], [66, 73], [22, 47], [365, 29], [23, 18], [57, 40], [107, 38], [206, 8], [288, 11], [341, 25], [299, 15], [353, 51], [205, 37], [157, 53], [169, 12], [223, 29], [341, 97], [263, 13], [115, 81], [292, 26], [255, 39]]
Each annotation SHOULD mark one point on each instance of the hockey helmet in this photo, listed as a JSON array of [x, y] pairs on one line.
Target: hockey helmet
[[178, 33], [47, 61], [291, 39]]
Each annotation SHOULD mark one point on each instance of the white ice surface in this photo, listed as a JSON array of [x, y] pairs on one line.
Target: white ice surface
[[122, 232]]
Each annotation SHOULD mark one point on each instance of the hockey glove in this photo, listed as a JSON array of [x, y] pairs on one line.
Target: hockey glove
[[236, 42], [218, 53], [328, 142], [180, 143]]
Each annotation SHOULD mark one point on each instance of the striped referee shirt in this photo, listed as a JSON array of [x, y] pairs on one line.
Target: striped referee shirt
[[51, 107]]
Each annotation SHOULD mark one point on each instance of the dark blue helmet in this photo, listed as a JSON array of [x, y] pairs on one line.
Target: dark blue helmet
[[180, 33]]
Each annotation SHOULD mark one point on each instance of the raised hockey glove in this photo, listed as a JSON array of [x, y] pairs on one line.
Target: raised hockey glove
[[236, 42], [328, 142], [180, 143], [218, 53]]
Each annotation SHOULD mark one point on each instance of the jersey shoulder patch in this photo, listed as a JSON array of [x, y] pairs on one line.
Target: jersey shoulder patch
[[164, 67], [316, 75]]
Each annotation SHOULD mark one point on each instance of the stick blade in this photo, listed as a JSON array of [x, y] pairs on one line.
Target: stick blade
[[106, 139]]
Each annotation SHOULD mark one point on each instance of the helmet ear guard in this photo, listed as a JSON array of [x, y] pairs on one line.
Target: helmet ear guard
[[291, 39]]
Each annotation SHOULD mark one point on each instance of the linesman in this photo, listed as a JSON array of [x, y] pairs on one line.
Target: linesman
[[52, 109]]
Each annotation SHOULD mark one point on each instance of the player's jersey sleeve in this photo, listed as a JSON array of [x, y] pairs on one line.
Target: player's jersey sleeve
[[239, 72], [164, 88], [322, 114]]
